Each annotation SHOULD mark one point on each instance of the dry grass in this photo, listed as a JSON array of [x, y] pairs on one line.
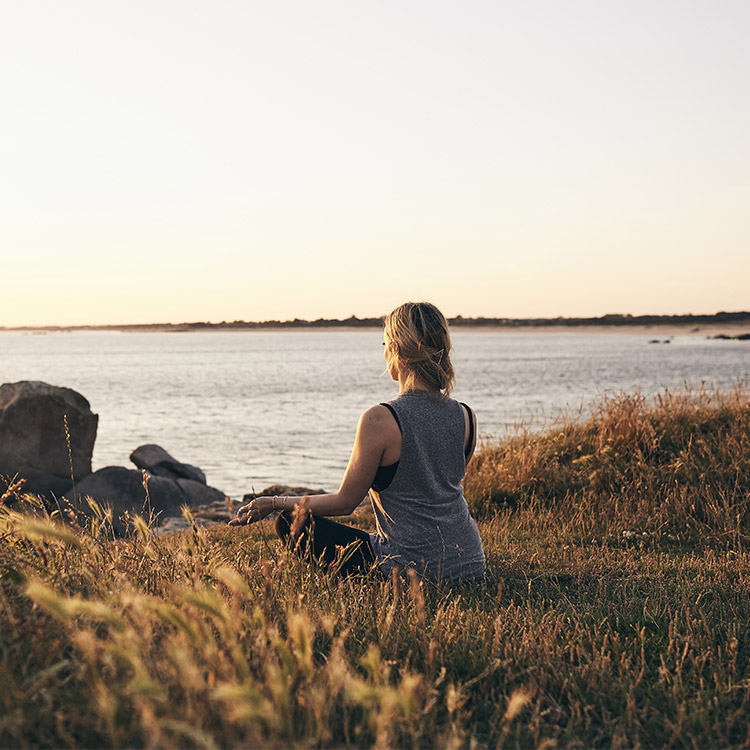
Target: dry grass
[[582, 635], [678, 466]]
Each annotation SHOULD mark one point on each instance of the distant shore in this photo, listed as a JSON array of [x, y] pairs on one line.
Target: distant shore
[[714, 330], [658, 329], [729, 323]]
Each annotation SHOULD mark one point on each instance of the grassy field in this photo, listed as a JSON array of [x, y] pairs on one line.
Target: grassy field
[[616, 612]]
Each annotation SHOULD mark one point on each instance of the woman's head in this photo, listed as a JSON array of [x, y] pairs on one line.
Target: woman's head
[[418, 347]]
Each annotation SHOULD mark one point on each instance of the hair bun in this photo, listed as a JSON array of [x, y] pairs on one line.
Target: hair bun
[[422, 345]]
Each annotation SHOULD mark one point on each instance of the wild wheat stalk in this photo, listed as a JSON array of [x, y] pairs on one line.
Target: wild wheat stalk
[[14, 487], [70, 453]]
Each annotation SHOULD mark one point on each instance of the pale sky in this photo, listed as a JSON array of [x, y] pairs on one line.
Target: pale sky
[[174, 160]]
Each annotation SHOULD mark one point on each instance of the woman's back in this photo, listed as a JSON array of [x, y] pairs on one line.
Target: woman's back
[[416, 461], [424, 521]]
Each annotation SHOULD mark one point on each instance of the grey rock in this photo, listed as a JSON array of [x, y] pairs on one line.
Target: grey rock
[[200, 494], [157, 462], [122, 490], [33, 440]]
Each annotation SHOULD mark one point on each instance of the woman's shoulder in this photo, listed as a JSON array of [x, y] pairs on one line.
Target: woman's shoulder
[[378, 416], [377, 411], [378, 428]]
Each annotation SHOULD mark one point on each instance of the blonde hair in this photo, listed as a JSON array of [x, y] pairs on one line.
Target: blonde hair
[[422, 345]]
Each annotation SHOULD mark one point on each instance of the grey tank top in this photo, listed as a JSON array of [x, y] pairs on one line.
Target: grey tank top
[[424, 522]]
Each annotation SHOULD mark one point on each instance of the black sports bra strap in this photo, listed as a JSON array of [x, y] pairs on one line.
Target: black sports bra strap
[[395, 416], [471, 429]]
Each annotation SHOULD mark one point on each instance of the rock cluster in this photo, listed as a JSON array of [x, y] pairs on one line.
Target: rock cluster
[[724, 337], [47, 438]]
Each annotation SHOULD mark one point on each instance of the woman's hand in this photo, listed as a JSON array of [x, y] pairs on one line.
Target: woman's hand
[[255, 510]]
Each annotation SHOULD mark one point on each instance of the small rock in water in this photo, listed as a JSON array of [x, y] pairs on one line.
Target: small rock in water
[[157, 462], [724, 337]]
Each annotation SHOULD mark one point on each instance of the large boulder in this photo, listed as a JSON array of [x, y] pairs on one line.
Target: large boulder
[[157, 462], [34, 442], [123, 490]]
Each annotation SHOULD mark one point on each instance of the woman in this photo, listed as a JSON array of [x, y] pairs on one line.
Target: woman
[[410, 455]]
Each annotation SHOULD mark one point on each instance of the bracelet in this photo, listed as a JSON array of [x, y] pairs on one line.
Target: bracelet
[[286, 497], [273, 502]]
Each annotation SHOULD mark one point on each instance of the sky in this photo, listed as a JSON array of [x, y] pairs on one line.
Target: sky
[[179, 161]]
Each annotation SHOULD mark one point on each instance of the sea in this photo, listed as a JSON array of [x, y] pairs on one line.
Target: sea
[[255, 408]]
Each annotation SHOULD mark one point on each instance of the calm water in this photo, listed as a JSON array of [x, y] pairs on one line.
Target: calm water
[[254, 408]]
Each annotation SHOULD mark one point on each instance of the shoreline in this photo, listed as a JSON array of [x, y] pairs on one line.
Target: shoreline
[[666, 329], [684, 323]]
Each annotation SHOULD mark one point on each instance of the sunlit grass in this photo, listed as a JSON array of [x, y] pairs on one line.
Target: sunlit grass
[[615, 612]]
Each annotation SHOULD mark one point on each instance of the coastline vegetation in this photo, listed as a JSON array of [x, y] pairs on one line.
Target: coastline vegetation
[[615, 611]]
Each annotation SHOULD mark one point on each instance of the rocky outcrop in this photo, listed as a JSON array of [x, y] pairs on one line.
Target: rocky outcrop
[[171, 485], [157, 462], [46, 430], [123, 491], [34, 442], [724, 337]]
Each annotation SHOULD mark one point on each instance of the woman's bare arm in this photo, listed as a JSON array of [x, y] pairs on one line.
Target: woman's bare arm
[[375, 431]]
